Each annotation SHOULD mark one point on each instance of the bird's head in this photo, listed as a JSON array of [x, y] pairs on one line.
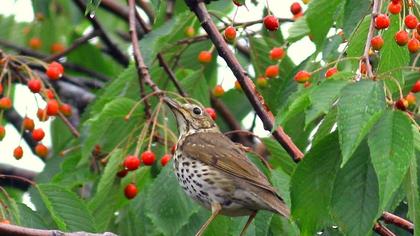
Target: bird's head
[[191, 117]]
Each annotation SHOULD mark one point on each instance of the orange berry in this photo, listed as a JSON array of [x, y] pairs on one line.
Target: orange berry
[[401, 37], [394, 8], [55, 70], [28, 124], [218, 91], [411, 98], [277, 54], [1, 88], [272, 71], [330, 72], [18, 152], [189, 31], [34, 85], [2, 132], [148, 158], [57, 48], [410, 21], [262, 82], [382, 21], [238, 86], [377, 42], [204, 57], [271, 23], [42, 114], [295, 8], [413, 45], [401, 104], [66, 109], [302, 76], [35, 43], [212, 113], [230, 33], [49, 93], [5, 103], [130, 191], [165, 159], [41, 150], [52, 107], [38, 134]]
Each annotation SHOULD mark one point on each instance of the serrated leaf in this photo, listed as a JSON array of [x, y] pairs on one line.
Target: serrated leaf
[[68, 211], [321, 9], [278, 156], [358, 39], [354, 12], [311, 185], [296, 107], [110, 172], [322, 97], [195, 85], [168, 207], [298, 30], [355, 201], [326, 126], [358, 109], [30, 218], [391, 149]]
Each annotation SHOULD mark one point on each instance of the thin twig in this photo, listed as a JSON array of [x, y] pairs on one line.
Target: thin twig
[[256, 100], [16, 120], [8, 229], [72, 129], [390, 218], [365, 57], [76, 43], [171, 75], [170, 6], [119, 56], [382, 230]]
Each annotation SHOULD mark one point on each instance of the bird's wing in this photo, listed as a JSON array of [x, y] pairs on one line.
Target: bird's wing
[[216, 150]]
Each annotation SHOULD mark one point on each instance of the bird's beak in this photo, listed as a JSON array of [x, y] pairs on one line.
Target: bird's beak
[[172, 104]]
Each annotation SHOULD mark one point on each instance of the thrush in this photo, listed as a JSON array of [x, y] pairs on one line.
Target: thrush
[[215, 172]]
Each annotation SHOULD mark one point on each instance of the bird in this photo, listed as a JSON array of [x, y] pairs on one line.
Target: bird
[[215, 172]]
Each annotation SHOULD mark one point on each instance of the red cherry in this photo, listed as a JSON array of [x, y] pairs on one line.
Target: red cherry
[[38, 134], [28, 124], [41, 150], [413, 45], [42, 114], [394, 8], [212, 113], [130, 191], [66, 109], [131, 163], [401, 37], [122, 173], [417, 30], [165, 159], [411, 98], [396, 1], [302, 76], [5, 103], [410, 21], [57, 47], [416, 87], [295, 8], [218, 91], [382, 21], [35, 43], [262, 82], [237, 3], [330, 72], [34, 85], [18, 152], [377, 42], [1, 88], [272, 71], [271, 23], [230, 33], [204, 57], [49, 93], [148, 158], [2, 132], [52, 107], [277, 54], [54, 70], [173, 149], [401, 104]]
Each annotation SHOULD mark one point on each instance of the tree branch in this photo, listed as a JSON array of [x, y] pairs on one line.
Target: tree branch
[[365, 57], [390, 218], [76, 43], [382, 230], [256, 100], [8, 229], [114, 50], [171, 74], [13, 170]]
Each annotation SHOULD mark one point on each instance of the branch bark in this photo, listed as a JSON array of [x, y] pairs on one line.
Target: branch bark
[[256, 100], [390, 218], [8, 229], [114, 50], [382, 230]]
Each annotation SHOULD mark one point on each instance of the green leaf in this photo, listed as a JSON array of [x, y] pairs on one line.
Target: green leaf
[[91, 6], [358, 110], [281, 182], [321, 9], [195, 85], [357, 40], [298, 30], [312, 183], [391, 149], [326, 126], [354, 12], [68, 211], [322, 97], [30, 218], [392, 56], [278, 156], [412, 184], [355, 201], [168, 207], [110, 172], [296, 107]]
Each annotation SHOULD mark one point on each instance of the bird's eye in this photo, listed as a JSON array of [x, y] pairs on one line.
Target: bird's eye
[[197, 110]]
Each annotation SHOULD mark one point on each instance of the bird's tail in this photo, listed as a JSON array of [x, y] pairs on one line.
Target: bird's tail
[[277, 204]]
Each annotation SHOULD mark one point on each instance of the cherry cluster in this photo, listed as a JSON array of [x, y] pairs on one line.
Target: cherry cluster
[[54, 106], [408, 35]]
